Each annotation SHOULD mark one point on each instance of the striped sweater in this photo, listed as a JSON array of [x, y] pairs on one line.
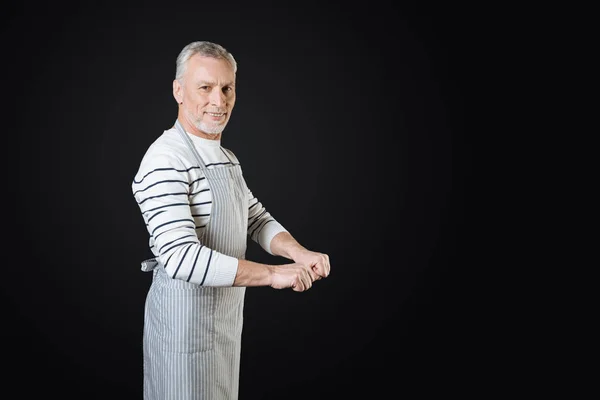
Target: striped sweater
[[175, 201]]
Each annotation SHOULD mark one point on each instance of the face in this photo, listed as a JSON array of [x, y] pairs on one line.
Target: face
[[208, 95]]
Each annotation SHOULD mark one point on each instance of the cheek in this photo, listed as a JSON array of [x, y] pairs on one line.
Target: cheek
[[196, 98]]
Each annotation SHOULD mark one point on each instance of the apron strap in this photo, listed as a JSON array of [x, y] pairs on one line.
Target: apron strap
[[189, 144]]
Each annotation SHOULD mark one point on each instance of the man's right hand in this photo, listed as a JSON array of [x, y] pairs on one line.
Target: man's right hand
[[296, 276]]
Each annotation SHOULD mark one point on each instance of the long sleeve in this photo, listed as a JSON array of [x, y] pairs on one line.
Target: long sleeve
[[162, 188], [262, 226]]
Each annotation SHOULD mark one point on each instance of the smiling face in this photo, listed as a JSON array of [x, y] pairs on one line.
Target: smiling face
[[206, 96]]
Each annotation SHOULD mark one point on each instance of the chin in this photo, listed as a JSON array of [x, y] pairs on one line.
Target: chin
[[211, 129]]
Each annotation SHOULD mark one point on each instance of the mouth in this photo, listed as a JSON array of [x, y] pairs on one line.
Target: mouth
[[215, 115]]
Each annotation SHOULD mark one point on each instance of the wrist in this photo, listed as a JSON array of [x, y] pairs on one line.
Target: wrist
[[295, 252], [269, 275]]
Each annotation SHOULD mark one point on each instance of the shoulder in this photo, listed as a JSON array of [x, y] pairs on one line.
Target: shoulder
[[168, 154], [168, 147]]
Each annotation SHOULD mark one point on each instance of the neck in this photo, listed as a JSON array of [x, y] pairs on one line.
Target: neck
[[191, 128]]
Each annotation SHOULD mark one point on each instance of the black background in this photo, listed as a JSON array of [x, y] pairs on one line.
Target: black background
[[350, 126]]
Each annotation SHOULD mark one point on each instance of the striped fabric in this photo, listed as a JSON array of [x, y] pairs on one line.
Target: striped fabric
[[192, 332]]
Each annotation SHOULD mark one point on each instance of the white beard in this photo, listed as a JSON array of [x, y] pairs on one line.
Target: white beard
[[210, 129]]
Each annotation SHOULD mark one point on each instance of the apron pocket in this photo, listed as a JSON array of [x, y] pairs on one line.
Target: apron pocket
[[188, 320]]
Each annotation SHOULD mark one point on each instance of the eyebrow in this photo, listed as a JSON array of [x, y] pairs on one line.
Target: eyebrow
[[207, 83]]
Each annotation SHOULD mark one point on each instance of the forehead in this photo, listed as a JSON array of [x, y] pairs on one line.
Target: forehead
[[209, 69]]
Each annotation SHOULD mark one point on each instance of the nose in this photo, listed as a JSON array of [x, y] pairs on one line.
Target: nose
[[217, 97]]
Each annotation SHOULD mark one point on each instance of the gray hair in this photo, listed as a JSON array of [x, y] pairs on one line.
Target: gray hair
[[205, 49]]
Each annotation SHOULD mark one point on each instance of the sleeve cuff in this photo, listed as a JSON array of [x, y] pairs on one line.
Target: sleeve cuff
[[224, 271], [268, 232]]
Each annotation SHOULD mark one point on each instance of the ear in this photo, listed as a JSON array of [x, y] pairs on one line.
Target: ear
[[177, 91]]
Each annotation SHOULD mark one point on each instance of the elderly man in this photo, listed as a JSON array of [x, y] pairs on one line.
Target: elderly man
[[199, 213]]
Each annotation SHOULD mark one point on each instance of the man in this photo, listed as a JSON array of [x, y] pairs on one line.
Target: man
[[199, 213]]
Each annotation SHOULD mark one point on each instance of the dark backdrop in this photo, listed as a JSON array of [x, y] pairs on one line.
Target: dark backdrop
[[350, 126]]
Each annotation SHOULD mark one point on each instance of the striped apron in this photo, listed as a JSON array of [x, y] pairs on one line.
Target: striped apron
[[192, 334]]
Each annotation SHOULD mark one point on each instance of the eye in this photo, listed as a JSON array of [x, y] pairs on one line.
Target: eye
[[203, 88], [228, 89]]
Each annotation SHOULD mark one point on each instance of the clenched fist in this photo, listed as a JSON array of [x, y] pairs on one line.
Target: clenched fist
[[297, 276], [317, 262]]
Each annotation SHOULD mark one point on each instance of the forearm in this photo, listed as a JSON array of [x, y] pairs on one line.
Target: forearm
[[283, 244], [250, 273]]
